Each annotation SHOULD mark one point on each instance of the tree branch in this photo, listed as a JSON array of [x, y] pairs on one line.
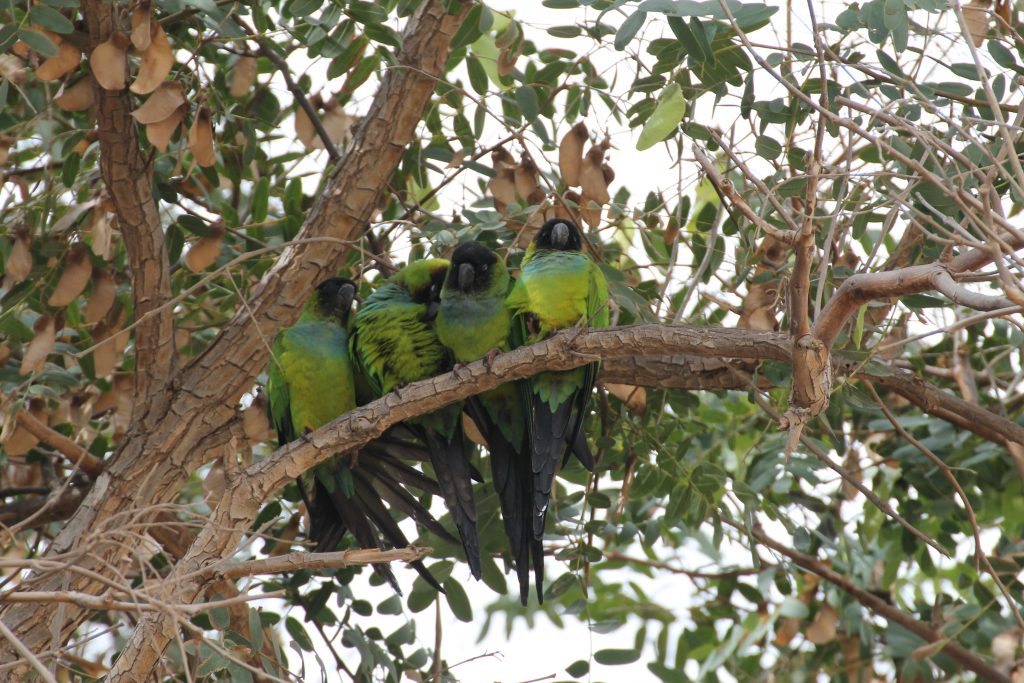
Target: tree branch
[[315, 561], [129, 180], [75, 454]]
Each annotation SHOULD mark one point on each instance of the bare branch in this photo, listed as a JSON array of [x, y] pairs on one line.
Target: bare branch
[[316, 561], [75, 454]]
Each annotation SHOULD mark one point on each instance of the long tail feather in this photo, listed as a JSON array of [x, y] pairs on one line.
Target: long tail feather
[[453, 472], [550, 431]]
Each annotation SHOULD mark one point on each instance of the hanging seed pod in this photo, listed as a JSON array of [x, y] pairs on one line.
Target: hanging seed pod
[[109, 62], [142, 23], [976, 17], [503, 188], [204, 253], [19, 441], [78, 97], [255, 422], [64, 62], [41, 346], [161, 132], [243, 76], [526, 177], [157, 62], [74, 278], [104, 356], [501, 158], [200, 139], [570, 154], [19, 260], [104, 291], [163, 103], [101, 232]]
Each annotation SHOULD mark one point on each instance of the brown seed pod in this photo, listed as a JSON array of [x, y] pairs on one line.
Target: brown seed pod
[[503, 188], [255, 422], [41, 346], [526, 177], [501, 158], [109, 62], [74, 278], [157, 61], [570, 154], [64, 62], [13, 68], [142, 23], [19, 440], [162, 104], [78, 97], [592, 177], [104, 292], [104, 356], [19, 261], [200, 139], [204, 253], [161, 132], [101, 232], [243, 76]]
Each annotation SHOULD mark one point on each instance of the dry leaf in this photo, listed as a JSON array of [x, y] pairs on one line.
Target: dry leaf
[[200, 139], [162, 104], [64, 62], [570, 154], [121, 336], [255, 422], [19, 261], [157, 61], [13, 68], [161, 132], [142, 27], [41, 345], [78, 97], [74, 278], [976, 17], [763, 296], [526, 177], [338, 125], [204, 253], [104, 291], [123, 390], [823, 629], [109, 62], [243, 76], [304, 129], [787, 630], [635, 398]]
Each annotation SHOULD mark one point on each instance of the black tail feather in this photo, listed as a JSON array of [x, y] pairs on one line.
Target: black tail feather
[[550, 431], [453, 472]]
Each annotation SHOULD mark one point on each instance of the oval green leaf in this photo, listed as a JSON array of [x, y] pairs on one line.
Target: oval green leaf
[[665, 117]]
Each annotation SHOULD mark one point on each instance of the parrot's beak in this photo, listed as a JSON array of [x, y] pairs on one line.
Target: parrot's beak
[[560, 235], [344, 298], [466, 276]]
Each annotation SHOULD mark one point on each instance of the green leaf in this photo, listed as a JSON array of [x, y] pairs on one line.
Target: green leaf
[[629, 29], [220, 617], [526, 97], [768, 147], [1001, 55], [51, 19], [69, 171], [367, 12], [298, 633], [303, 8], [458, 601], [38, 42], [578, 668], [260, 200], [614, 657], [255, 629], [665, 117], [477, 75]]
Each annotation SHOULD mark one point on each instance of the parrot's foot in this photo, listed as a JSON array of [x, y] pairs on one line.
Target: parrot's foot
[[457, 368], [490, 356]]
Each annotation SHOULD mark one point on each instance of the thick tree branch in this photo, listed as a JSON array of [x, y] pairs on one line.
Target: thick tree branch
[[75, 454], [129, 180], [293, 562]]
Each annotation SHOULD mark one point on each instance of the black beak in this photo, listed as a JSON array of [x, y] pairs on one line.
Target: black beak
[[466, 276], [560, 235], [344, 298]]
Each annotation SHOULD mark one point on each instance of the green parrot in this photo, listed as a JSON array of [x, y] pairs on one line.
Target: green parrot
[[310, 382], [473, 323], [394, 342], [559, 287]]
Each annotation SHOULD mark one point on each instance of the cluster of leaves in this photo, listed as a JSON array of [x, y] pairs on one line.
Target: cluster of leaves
[[681, 475]]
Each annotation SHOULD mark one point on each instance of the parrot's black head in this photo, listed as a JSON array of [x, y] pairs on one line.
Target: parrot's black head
[[334, 297], [560, 234], [472, 265]]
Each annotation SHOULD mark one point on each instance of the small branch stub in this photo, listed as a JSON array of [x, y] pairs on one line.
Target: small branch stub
[[812, 384]]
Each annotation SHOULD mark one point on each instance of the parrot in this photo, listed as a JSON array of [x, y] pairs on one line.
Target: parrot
[[394, 342], [559, 286], [309, 383], [473, 323]]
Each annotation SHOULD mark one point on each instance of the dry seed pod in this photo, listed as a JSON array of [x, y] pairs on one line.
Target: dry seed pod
[[635, 398], [471, 431], [255, 422], [304, 130], [19, 440], [243, 76], [101, 232], [74, 278], [823, 629], [501, 158], [142, 27], [41, 345], [570, 154], [121, 335], [13, 68], [104, 356], [123, 391], [204, 253], [78, 97], [976, 17], [162, 104], [592, 177], [109, 62], [526, 177], [64, 62], [5, 353], [157, 61], [590, 210], [19, 261], [161, 132], [338, 125], [104, 291], [503, 188], [200, 139]]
